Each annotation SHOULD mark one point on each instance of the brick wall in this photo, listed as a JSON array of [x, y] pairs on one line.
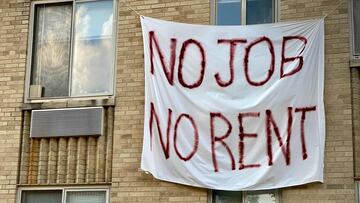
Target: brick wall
[[338, 177], [14, 15], [66, 160], [136, 186], [128, 183]]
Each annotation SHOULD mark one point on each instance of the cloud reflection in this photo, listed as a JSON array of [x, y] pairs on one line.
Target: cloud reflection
[[93, 49]]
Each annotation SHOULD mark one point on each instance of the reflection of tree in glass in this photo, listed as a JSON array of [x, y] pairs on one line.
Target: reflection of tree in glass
[[52, 49]]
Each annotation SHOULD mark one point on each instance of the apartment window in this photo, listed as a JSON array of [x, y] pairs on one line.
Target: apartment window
[[64, 196], [244, 12], [356, 28], [54, 196], [71, 49], [267, 196]]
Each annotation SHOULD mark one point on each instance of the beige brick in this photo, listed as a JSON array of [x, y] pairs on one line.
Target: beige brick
[[68, 160]]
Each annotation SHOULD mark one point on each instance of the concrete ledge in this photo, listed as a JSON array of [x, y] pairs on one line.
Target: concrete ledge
[[68, 103]]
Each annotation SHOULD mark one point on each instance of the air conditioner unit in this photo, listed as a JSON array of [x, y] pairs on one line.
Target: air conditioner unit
[[67, 122]]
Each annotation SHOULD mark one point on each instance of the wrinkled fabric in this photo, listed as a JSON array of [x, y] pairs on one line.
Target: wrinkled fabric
[[258, 125]]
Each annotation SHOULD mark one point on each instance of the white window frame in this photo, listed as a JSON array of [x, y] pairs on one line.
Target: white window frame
[[357, 191], [354, 56], [213, 12], [64, 190], [244, 195], [30, 54]]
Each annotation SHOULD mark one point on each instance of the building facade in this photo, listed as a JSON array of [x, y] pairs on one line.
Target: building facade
[[61, 59]]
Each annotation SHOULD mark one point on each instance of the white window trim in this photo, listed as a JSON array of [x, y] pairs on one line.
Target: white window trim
[[244, 195], [30, 53], [64, 190], [213, 12], [357, 193]]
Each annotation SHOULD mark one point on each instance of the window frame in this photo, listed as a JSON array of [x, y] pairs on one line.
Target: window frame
[[354, 56], [64, 190], [277, 193], [357, 191], [213, 12], [29, 56]]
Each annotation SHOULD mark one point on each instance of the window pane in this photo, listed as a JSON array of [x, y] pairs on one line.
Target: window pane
[[260, 197], [41, 196], [93, 49], [51, 49], [259, 11], [86, 197], [219, 196], [356, 12], [228, 12]]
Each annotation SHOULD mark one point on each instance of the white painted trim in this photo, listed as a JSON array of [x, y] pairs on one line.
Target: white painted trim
[[68, 109], [51, 1], [243, 12], [277, 10], [29, 52], [63, 99], [72, 39], [357, 192], [115, 41]]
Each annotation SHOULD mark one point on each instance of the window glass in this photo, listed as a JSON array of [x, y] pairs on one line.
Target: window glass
[[54, 196], [86, 197], [51, 48], [72, 49], [93, 48], [259, 11], [219, 196], [260, 197], [268, 196], [356, 18], [228, 12]]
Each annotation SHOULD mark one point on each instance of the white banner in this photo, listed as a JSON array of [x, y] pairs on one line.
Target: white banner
[[234, 107]]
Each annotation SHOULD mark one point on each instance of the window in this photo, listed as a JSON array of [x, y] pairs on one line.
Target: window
[[72, 49], [85, 197], [267, 196], [54, 196], [244, 12], [356, 28], [65, 195]]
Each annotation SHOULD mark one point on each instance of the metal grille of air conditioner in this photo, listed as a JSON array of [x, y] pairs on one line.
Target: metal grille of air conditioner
[[67, 122]]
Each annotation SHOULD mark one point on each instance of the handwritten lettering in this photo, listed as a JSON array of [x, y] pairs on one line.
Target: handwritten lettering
[[219, 119]]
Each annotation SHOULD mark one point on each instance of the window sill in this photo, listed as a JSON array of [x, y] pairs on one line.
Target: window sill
[[354, 63], [98, 185], [69, 103]]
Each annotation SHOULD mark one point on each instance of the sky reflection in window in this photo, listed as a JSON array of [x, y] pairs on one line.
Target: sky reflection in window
[[93, 49]]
